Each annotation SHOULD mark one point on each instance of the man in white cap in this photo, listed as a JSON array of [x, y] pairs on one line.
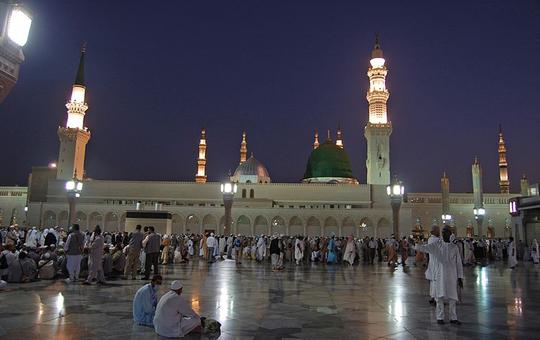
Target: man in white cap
[[174, 317]]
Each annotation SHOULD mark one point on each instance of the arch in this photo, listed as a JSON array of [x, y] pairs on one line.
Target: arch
[[490, 232], [49, 219], [243, 225], [261, 225], [251, 193], [209, 224], [470, 230], [296, 227], [177, 224], [278, 226], [244, 193], [221, 226], [1, 216], [348, 227], [95, 219], [383, 228], [365, 227], [193, 226], [122, 224], [82, 220], [313, 227], [331, 227], [63, 219], [111, 221]]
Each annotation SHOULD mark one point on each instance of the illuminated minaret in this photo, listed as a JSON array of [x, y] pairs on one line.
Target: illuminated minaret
[[74, 136], [201, 161], [378, 128], [478, 195], [504, 183], [243, 148], [316, 142], [339, 138]]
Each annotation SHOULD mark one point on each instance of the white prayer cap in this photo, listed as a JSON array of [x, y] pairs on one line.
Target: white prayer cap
[[175, 285], [211, 234]]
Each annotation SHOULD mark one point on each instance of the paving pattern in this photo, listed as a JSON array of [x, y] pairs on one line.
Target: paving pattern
[[305, 302]]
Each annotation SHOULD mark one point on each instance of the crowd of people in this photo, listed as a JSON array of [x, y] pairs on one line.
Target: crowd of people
[[30, 254]]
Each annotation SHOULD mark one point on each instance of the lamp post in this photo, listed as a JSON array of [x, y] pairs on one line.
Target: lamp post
[[228, 190], [395, 191], [73, 189], [15, 22], [479, 214]]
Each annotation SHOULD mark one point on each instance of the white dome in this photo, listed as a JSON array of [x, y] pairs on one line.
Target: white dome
[[251, 171]]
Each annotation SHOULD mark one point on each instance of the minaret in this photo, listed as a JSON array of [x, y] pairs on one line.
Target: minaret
[[316, 142], [445, 193], [378, 128], [74, 136], [339, 138], [504, 183], [524, 184], [478, 195], [243, 148], [201, 161]]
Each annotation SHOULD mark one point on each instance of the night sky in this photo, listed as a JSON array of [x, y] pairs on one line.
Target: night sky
[[159, 71]]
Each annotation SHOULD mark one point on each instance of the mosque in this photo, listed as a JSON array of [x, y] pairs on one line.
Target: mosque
[[328, 201]]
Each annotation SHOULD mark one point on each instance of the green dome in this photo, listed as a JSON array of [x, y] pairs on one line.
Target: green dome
[[329, 163]]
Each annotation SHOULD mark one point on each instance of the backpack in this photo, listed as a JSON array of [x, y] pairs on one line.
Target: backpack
[[237, 243], [3, 262]]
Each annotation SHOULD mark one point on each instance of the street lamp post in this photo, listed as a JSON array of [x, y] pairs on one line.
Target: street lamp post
[[73, 189], [479, 214], [395, 191], [228, 190]]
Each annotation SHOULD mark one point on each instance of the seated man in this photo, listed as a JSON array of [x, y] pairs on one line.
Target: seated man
[[174, 317], [47, 267], [145, 302], [118, 260]]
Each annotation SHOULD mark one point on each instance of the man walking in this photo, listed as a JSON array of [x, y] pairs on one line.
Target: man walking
[[447, 274], [95, 258], [435, 232], [134, 252], [372, 249], [211, 244], [151, 246], [73, 249]]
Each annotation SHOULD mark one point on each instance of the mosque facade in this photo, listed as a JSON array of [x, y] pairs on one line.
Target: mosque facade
[[328, 201]]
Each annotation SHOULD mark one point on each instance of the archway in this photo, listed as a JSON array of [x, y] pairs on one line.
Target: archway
[[49, 219], [209, 224], [122, 225], [177, 224], [63, 219], [95, 219], [243, 226], [296, 227], [313, 227], [261, 225], [330, 227], [111, 222], [366, 228], [383, 228], [82, 220], [348, 228], [490, 232], [193, 225], [278, 226]]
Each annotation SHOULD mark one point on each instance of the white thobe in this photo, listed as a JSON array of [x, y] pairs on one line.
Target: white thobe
[[261, 249], [350, 254], [299, 250], [447, 269], [174, 317], [512, 261]]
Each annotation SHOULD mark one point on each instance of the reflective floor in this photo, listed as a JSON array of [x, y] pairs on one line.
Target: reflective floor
[[307, 302]]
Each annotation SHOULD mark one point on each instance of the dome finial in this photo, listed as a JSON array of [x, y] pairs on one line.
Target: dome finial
[[79, 78], [377, 50], [316, 142]]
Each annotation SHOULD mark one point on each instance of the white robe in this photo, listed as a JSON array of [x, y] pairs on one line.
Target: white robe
[[261, 249], [350, 254], [447, 270], [32, 238], [174, 317], [534, 252], [432, 262], [299, 250]]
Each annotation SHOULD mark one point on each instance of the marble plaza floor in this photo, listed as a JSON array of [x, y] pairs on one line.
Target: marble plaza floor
[[306, 302]]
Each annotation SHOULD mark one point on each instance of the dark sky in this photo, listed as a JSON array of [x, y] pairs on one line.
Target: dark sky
[[159, 71]]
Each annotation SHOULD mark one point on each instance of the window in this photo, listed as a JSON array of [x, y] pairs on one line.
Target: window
[[251, 193]]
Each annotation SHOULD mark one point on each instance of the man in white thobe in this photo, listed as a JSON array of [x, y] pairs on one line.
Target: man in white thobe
[[261, 248], [512, 255], [447, 274], [145, 302], [174, 317], [299, 250], [435, 232], [211, 244]]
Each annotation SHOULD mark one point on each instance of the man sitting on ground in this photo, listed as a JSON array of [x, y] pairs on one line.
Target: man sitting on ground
[[145, 302], [174, 317]]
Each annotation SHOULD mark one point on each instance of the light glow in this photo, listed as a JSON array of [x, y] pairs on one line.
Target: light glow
[[52, 165], [75, 121], [19, 26], [79, 186], [77, 94], [377, 62], [70, 185]]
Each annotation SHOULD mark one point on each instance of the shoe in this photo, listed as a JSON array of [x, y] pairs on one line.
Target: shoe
[[455, 322], [440, 322]]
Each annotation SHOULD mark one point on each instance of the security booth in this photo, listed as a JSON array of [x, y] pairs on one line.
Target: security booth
[[525, 212], [160, 220]]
